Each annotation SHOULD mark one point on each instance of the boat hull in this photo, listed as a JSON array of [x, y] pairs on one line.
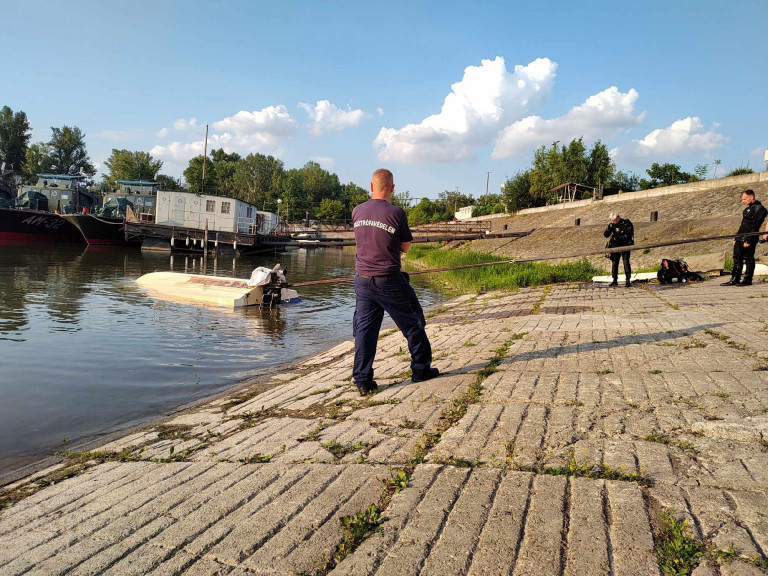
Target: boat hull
[[24, 227], [213, 290], [101, 231]]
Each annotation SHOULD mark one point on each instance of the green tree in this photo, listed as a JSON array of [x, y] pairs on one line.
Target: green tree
[[575, 164], [318, 184], [193, 174], [665, 175], [330, 210], [402, 199], [701, 171], [68, 153], [257, 178], [226, 168], [740, 171], [165, 182], [127, 165], [37, 161], [601, 166], [545, 173], [517, 191], [14, 139], [425, 212], [622, 182]]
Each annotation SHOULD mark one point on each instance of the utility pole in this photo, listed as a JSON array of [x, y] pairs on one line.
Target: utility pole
[[455, 200], [487, 180], [714, 175], [205, 157]]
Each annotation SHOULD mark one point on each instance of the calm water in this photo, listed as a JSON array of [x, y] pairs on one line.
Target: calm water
[[83, 351]]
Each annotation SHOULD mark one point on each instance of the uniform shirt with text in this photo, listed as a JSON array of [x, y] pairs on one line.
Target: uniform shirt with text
[[380, 229]]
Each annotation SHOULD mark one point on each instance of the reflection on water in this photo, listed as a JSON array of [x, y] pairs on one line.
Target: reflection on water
[[84, 351]]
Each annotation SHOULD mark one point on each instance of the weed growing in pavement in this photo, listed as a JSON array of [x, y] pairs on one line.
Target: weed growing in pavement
[[173, 456], [574, 402], [687, 446], [694, 343], [257, 458], [726, 339], [399, 351], [469, 344], [410, 424], [720, 394], [657, 437], [761, 365], [435, 312], [585, 470], [677, 552], [457, 462], [340, 450], [396, 482], [604, 371], [657, 371]]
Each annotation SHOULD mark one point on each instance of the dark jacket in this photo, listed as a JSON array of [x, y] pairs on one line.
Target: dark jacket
[[751, 220], [620, 234]]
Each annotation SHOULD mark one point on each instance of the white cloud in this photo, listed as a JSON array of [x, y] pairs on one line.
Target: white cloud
[[181, 124], [686, 136], [243, 132], [605, 114], [325, 162], [380, 111], [325, 116], [162, 133], [487, 97], [759, 152]]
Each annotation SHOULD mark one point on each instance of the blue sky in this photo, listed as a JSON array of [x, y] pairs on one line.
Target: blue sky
[[439, 92]]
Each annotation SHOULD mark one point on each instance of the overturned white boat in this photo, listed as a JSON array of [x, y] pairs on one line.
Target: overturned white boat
[[264, 288]]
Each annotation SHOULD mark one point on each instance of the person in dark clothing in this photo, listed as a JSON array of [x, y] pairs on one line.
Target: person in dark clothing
[[620, 232], [744, 246], [381, 235]]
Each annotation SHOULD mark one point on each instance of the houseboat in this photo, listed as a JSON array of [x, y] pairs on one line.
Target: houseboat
[[35, 215], [107, 226]]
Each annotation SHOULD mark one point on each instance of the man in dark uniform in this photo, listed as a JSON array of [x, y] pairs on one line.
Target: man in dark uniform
[[381, 234], [620, 232], [744, 246]]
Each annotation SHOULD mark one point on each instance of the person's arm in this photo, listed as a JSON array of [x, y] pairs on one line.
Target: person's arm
[[404, 247], [608, 231]]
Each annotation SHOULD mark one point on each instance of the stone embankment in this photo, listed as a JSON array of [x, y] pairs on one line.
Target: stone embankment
[[681, 215], [568, 421]]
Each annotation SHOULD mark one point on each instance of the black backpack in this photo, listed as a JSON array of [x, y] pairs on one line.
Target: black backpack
[[676, 271]]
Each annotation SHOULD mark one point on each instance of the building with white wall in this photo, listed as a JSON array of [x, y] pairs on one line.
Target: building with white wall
[[223, 214]]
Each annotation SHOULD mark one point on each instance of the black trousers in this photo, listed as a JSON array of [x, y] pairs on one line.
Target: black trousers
[[615, 265], [744, 257], [395, 296]]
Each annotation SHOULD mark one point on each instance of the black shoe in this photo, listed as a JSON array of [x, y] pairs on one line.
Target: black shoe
[[422, 375], [368, 388], [744, 282], [628, 284], [731, 282], [613, 284]]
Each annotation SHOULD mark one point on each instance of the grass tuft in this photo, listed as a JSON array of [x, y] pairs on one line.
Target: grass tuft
[[677, 552]]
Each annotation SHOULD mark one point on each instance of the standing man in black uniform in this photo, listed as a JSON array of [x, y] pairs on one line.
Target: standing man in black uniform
[[381, 234], [744, 246], [620, 232]]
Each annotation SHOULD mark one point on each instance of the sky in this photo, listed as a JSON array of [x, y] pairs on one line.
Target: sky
[[441, 93]]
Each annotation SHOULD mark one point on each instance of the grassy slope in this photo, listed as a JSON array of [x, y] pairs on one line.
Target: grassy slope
[[501, 277]]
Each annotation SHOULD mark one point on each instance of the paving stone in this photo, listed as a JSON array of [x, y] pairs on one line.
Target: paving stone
[[597, 372]]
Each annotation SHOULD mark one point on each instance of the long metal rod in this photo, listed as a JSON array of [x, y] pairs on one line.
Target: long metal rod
[[618, 250]]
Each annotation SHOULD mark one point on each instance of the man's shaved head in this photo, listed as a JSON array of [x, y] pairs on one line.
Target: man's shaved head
[[382, 184]]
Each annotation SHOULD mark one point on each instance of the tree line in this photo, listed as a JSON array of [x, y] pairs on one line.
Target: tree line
[[262, 180]]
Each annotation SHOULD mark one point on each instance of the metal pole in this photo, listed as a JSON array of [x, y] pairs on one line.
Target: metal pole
[[487, 180], [205, 157]]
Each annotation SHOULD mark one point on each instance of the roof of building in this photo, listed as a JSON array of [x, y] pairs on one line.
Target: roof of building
[[138, 182], [62, 176]]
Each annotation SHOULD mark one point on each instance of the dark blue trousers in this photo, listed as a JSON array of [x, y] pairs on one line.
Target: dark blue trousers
[[395, 296]]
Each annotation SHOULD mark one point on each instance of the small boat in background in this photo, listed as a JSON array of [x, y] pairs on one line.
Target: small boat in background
[[265, 288]]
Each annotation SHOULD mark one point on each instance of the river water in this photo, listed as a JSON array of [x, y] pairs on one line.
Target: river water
[[84, 351]]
